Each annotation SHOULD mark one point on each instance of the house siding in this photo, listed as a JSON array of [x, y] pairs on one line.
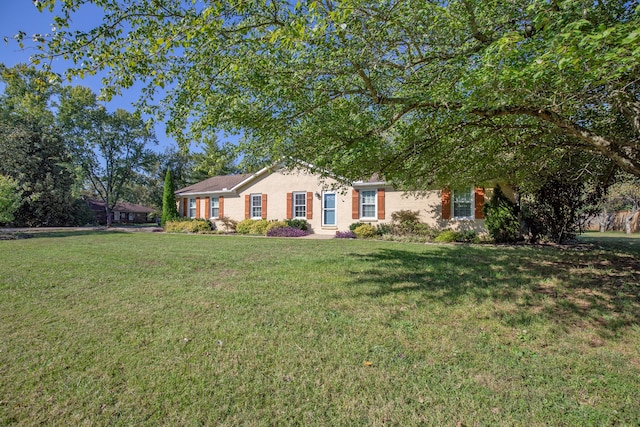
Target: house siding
[[277, 187]]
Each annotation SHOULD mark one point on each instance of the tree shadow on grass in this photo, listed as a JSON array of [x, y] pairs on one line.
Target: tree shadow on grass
[[19, 235], [571, 287]]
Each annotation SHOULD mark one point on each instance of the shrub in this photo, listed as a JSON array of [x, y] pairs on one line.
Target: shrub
[[188, 226], [275, 224], [468, 236], [355, 225], [345, 235], [558, 209], [405, 216], [229, 224], [501, 217], [286, 231], [259, 226], [365, 231], [448, 236], [244, 226], [382, 229], [300, 224]]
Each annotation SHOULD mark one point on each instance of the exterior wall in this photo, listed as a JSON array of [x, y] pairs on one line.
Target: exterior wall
[[277, 184]]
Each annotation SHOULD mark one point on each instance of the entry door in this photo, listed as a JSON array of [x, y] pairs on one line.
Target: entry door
[[329, 217]]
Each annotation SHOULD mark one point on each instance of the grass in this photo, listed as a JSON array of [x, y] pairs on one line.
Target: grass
[[106, 328]]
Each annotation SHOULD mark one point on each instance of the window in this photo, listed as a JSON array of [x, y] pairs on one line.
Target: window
[[300, 205], [329, 209], [192, 208], [215, 207], [463, 203], [256, 206], [131, 216], [368, 204]]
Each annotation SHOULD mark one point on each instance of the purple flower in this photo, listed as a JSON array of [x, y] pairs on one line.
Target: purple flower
[[345, 235], [286, 232]]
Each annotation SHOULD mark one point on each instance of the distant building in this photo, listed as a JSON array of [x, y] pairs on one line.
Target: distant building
[[122, 213]]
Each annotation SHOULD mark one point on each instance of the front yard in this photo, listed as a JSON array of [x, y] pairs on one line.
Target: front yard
[[107, 328]]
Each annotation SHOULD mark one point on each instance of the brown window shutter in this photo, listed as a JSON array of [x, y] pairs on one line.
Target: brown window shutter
[[264, 206], [380, 203], [247, 207], [207, 208], [446, 204], [185, 207], [220, 207], [355, 204], [289, 213], [309, 205], [197, 207], [479, 202]]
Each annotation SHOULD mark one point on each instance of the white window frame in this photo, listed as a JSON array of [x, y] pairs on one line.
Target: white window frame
[[334, 209], [471, 216], [302, 205], [255, 207], [215, 204], [362, 204], [192, 207]]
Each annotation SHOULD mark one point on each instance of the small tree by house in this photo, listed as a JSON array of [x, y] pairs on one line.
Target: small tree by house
[[501, 217], [169, 210]]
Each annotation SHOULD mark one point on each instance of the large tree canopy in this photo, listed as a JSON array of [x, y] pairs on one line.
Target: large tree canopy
[[423, 92]]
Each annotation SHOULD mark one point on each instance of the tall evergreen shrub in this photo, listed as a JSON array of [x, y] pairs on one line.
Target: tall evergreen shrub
[[501, 217], [169, 209]]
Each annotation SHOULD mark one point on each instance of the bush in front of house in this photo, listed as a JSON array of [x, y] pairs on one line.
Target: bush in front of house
[[228, 223], [275, 224], [286, 231], [244, 226], [355, 225], [300, 224], [501, 217], [259, 226], [365, 231], [188, 226], [448, 236]]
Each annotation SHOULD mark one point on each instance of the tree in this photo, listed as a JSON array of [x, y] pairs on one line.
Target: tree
[[10, 199], [214, 160], [625, 194], [412, 90], [501, 217], [109, 147], [32, 150], [169, 208]]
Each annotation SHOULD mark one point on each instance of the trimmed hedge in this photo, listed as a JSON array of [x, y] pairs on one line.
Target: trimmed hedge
[[188, 226]]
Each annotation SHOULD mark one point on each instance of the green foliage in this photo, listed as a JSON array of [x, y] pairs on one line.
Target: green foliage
[[32, 149], [259, 226], [448, 236], [187, 226], [558, 210], [300, 224], [169, 207], [501, 217], [82, 214], [244, 226], [384, 228], [365, 231], [109, 148], [274, 224], [453, 92], [355, 225], [10, 198]]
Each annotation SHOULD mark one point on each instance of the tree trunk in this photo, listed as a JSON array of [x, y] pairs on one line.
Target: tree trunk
[[606, 220], [108, 211], [629, 219]]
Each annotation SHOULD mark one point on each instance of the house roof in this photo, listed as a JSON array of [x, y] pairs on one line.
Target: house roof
[[215, 184], [121, 207]]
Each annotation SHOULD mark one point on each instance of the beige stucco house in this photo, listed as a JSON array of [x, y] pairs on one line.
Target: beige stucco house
[[328, 205]]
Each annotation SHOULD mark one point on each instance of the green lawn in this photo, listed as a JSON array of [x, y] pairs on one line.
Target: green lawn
[[154, 329]]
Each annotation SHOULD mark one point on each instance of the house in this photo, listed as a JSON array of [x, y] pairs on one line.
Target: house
[[122, 213], [276, 193]]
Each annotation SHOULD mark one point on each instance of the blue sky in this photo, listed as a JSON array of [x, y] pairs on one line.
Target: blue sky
[[16, 15]]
